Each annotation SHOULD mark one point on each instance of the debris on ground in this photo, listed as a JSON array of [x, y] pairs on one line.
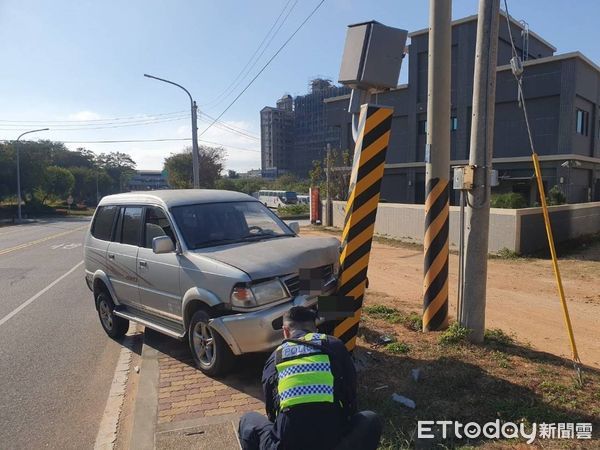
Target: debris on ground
[[404, 401], [415, 374]]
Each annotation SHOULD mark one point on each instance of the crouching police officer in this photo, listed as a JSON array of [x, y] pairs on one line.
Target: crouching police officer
[[309, 384]]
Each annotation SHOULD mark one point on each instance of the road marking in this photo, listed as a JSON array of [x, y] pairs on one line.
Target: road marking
[[37, 241], [64, 246], [107, 432], [39, 294]]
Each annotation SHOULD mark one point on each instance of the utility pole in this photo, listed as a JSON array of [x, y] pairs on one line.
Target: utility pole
[[482, 140], [194, 107], [437, 168], [328, 203]]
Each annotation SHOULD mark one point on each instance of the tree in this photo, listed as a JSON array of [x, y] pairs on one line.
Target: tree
[[232, 174], [58, 182], [179, 167], [119, 167]]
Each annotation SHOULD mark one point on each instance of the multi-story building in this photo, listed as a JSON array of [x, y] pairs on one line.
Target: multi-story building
[[295, 132], [147, 180], [563, 102]]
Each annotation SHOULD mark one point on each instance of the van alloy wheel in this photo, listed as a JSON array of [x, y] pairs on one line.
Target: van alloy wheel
[[204, 344], [105, 314]]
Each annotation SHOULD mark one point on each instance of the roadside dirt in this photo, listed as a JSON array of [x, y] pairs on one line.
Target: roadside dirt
[[522, 299]]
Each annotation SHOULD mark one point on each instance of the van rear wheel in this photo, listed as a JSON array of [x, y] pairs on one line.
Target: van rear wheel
[[209, 350]]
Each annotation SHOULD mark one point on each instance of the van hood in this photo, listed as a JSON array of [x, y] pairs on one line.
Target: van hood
[[275, 257]]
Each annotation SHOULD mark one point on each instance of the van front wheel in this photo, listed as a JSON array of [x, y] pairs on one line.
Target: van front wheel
[[209, 350]]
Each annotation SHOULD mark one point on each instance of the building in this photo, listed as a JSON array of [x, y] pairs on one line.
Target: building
[[148, 180], [295, 132], [563, 102]]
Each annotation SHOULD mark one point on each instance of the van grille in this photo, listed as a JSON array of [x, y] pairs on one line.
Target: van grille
[[292, 283]]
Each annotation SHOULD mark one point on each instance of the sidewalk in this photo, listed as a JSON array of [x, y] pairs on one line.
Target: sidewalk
[[179, 407]]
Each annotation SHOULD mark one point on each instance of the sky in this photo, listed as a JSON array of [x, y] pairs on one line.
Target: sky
[[77, 66]]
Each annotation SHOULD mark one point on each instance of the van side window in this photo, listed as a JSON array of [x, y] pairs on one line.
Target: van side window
[[156, 224], [132, 219], [103, 222]]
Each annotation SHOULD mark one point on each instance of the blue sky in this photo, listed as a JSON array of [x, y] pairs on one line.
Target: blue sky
[[84, 60]]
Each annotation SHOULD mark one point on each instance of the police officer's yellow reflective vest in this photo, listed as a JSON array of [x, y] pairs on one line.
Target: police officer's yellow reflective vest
[[304, 372]]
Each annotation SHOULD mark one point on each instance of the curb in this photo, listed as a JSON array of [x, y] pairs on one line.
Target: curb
[[146, 401]]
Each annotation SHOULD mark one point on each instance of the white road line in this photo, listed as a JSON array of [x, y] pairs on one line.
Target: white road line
[[39, 294]]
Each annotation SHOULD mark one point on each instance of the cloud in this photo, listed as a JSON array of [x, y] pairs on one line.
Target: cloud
[[84, 115]]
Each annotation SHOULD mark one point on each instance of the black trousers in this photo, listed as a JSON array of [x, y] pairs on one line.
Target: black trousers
[[364, 432]]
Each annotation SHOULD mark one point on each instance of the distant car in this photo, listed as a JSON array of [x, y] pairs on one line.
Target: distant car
[[217, 268], [275, 199]]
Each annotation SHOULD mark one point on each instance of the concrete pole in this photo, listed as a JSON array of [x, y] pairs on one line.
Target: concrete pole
[[437, 169], [482, 140], [328, 204], [195, 152]]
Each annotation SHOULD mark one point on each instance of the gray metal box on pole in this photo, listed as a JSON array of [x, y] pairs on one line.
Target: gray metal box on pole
[[372, 56]]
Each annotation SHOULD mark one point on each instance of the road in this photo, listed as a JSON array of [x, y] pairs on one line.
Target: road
[[56, 363]]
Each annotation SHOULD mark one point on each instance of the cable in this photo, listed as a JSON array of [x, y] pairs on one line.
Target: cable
[[101, 127], [226, 127], [95, 121], [265, 66], [125, 141], [517, 71], [231, 85]]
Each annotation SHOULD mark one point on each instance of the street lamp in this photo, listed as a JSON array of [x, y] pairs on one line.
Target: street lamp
[[195, 154], [19, 169]]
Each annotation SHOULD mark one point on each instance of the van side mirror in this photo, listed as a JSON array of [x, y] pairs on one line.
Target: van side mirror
[[162, 244], [294, 226]]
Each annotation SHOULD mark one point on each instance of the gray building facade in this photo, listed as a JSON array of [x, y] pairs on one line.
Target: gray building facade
[[563, 102], [295, 132]]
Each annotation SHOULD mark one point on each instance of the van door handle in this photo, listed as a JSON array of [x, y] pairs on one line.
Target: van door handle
[[111, 256], [143, 264]]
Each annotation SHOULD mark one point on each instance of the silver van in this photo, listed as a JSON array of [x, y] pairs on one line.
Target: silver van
[[217, 268]]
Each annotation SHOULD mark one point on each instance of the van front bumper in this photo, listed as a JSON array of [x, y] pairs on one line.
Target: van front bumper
[[258, 331]]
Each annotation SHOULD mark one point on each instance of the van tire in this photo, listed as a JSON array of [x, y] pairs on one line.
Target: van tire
[[115, 327], [213, 358]]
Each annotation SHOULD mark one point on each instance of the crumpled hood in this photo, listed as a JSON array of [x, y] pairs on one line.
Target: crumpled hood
[[274, 257]]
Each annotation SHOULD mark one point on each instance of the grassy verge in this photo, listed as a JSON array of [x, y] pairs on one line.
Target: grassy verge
[[499, 379]]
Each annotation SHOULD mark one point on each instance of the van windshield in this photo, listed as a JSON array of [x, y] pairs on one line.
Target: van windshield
[[210, 224]]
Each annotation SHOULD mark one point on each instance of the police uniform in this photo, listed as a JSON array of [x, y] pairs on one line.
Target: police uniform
[[309, 383]]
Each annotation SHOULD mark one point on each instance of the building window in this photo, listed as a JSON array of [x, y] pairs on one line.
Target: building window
[[422, 127], [582, 122], [453, 123]]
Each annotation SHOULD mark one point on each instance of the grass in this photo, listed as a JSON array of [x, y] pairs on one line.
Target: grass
[[397, 348], [505, 253], [455, 334], [499, 379], [412, 320]]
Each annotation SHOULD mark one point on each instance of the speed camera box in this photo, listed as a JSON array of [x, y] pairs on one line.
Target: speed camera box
[[372, 56]]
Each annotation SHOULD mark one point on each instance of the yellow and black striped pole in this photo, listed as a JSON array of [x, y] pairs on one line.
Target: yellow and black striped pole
[[435, 284], [374, 127]]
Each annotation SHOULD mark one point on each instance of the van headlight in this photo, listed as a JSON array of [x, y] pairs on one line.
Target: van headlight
[[249, 296]]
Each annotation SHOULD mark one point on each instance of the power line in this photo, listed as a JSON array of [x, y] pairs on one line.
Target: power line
[[100, 127], [236, 82], [226, 127], [265, 66], [129, 141], [95, 121]]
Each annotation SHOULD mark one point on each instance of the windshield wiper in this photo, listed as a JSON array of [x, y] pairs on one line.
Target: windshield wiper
[[263, 236], [217, 242]]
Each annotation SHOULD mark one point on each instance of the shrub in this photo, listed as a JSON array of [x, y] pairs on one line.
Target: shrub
[[292, 210], [510, 200], [455, 334], [397, 347], [556, 196]]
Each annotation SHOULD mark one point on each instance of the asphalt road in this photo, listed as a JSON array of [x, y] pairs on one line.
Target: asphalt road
[[56, 363]]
